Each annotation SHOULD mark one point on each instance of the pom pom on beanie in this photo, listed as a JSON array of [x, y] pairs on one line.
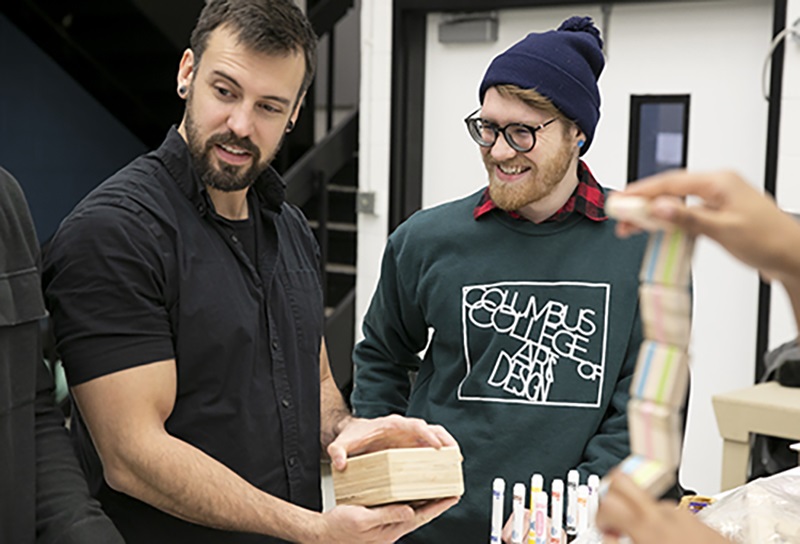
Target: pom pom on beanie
[[562, 65]]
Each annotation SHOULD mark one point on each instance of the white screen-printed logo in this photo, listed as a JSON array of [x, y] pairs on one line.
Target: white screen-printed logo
[[535, 342]]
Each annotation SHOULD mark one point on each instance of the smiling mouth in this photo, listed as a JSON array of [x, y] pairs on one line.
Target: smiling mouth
[[512, 170], [232, 154]]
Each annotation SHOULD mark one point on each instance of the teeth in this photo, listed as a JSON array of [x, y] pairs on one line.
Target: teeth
[[233, 150], [512, 170]]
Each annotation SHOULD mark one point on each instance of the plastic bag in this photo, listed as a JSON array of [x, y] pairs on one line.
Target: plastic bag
[[764, 511]]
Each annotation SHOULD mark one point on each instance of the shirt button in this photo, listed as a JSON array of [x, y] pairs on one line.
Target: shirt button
[[274, 344], [292, 461], [201, 208], [234, 239], [286, 403]]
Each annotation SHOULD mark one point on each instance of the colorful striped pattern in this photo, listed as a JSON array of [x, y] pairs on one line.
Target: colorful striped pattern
[[661, 375], [655, 432], [660, 380], [665, 314], [667, 259], [648, 474]]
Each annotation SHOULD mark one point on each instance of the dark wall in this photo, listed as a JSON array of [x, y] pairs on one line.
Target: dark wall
[[54, 138]]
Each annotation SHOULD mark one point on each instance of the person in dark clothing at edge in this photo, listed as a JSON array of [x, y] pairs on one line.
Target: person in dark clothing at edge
[[187, 305], [43, 494], [530, 299]]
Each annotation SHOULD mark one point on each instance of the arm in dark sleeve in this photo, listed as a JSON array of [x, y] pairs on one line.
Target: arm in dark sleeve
[[105, 287], [395, 332], [65, 512]]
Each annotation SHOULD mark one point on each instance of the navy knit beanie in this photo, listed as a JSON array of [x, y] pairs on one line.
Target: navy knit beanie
[[562, 65]]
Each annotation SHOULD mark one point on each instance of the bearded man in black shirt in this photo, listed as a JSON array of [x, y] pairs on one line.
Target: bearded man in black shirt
[[188, 311]]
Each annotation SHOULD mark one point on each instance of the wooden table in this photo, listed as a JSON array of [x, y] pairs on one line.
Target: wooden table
[[766, 408]]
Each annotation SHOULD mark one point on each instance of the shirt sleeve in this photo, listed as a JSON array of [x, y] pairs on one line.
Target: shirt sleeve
[[394, 333], [105, 286]]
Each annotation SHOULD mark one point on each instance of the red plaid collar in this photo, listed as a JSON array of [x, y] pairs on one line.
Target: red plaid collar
[[588, 199]]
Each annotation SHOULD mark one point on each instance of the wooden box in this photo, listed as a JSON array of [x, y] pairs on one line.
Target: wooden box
[[399, 475]]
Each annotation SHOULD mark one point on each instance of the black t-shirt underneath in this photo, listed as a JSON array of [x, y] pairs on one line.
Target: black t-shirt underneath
[[245, 234]]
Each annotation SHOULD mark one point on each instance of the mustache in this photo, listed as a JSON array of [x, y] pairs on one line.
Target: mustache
[[229, 138]]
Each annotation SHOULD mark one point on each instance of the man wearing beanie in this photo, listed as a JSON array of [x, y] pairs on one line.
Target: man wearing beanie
[[520, 295]]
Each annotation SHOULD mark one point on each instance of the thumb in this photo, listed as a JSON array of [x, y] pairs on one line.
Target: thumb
[[338, 455]]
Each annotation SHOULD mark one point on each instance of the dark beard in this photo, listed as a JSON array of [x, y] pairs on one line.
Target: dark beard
[[227, 177]]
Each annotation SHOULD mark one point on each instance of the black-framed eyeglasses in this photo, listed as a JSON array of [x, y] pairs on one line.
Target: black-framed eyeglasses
[[520, 137]]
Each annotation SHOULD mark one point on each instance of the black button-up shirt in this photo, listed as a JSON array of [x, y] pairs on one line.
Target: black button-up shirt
[[144, 270]]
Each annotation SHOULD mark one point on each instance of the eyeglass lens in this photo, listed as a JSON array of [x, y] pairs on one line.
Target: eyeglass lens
[[519, 137]]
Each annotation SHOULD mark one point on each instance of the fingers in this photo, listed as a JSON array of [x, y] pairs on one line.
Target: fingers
[[445, 438], [681, 183], [394, 513], [508, 528], [424, 514], [434, 509], [694, 220], [394, 431]]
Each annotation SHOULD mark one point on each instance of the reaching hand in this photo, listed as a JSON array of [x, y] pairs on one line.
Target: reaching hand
[[741, 219], [367, 435], [626, 509]]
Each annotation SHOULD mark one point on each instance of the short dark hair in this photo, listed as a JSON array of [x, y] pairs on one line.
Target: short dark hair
[[266, 26]]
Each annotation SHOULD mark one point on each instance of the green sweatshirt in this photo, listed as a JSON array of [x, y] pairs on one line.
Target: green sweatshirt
[[533, 331]]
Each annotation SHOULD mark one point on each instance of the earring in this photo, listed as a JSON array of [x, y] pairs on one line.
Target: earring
[[289, 126], [580, 143], [182, 91]]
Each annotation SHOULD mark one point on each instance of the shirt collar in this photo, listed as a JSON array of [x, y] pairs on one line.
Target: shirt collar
[[175, 155], [588, 199]]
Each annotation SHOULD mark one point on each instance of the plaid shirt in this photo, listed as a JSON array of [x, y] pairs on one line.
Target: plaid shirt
[[587, 199]]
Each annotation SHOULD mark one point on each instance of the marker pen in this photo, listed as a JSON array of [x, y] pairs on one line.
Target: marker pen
[[556, 510], [518, 512], [537, 484], [539, 513], [498, 496], [573, 478], [594, 496], [583, 509]]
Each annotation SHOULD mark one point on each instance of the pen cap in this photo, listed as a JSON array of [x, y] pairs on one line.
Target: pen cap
[[498, 485], [573, 477], [537, 482], [557, 487], [519, 491], [594, 483]]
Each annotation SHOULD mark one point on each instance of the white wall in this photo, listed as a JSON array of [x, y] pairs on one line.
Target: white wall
[[374, 138], [782, 325], [713, 51]]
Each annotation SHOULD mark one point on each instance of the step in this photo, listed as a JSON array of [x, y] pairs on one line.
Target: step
[[340, 268], [335, 226]]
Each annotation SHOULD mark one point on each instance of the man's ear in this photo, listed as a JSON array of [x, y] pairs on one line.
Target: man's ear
[[297, 106], [185, 72]]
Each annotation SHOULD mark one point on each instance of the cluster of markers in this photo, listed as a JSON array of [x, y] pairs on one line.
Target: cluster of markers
[[581, 507]]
